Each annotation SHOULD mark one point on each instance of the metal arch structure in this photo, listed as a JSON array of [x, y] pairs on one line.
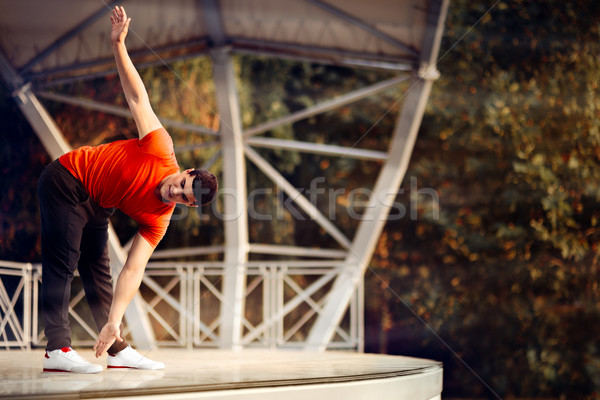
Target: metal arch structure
[[44, 44]]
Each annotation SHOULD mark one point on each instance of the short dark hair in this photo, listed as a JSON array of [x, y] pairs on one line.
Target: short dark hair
[[204, 186]]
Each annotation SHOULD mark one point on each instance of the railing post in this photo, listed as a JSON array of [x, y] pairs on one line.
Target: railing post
[[197, 299], [360, 323], [191, 305], [27, 278], [35, 311]]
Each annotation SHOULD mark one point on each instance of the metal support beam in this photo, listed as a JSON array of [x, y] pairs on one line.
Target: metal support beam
[[296, 251], [121, 111], [233, 186], [41, 122], [298, 198], [362, 24], [233, 190], [56, 145], [187, 252], [256, 248], [322, 55], [386, 187], [326, 105], [318, 148], [105, 9]]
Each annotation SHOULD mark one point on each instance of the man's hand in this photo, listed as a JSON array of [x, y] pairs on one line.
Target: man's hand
[[109, 333], [120, 25]]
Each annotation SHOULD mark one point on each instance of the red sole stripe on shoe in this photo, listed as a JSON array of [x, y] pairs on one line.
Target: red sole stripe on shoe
[[54, 370]]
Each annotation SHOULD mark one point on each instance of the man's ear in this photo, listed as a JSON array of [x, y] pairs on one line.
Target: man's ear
[[188, 170]]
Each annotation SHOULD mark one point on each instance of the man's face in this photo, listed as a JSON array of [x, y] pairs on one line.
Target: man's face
[[177, 188]]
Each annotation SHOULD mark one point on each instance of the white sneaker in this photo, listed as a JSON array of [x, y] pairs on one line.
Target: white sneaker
[[129, 358], [67, 360]]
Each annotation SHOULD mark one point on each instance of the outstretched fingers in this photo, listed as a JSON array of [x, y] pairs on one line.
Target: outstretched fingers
[[101, 346], [118, 15], [120, 24], [98, 349]]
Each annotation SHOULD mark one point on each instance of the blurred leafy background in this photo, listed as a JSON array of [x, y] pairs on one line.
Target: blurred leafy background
[[502, 284]]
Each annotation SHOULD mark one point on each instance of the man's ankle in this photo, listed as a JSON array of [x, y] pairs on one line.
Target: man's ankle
[[117, 347]]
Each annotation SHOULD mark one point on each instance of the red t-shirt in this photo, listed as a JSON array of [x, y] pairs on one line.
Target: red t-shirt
[[124, 174]]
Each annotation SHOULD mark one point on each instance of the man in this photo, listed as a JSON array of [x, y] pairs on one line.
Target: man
[[79, 191]]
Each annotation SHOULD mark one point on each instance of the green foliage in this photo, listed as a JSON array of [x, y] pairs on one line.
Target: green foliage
[[508, 275]]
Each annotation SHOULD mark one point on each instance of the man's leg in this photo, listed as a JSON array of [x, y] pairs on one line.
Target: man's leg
[[62, 225], [95, 273]]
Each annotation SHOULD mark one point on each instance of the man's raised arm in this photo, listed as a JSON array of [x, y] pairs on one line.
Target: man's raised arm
[[133, 87]]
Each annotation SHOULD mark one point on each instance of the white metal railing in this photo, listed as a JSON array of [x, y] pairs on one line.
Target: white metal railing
[[15, 296], [183, 302]]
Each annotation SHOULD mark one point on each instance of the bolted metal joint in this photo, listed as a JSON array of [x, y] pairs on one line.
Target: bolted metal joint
[[428, 72], [20, 93]]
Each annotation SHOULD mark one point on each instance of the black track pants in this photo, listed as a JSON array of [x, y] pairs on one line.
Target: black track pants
[[74, 235]]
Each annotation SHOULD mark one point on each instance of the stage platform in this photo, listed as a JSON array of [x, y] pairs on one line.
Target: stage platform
[[247, 374]]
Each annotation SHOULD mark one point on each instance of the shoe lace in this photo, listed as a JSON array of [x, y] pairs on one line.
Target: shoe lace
[[73, 355]]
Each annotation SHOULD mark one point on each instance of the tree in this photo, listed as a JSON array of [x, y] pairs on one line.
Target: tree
[[507, 277]]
